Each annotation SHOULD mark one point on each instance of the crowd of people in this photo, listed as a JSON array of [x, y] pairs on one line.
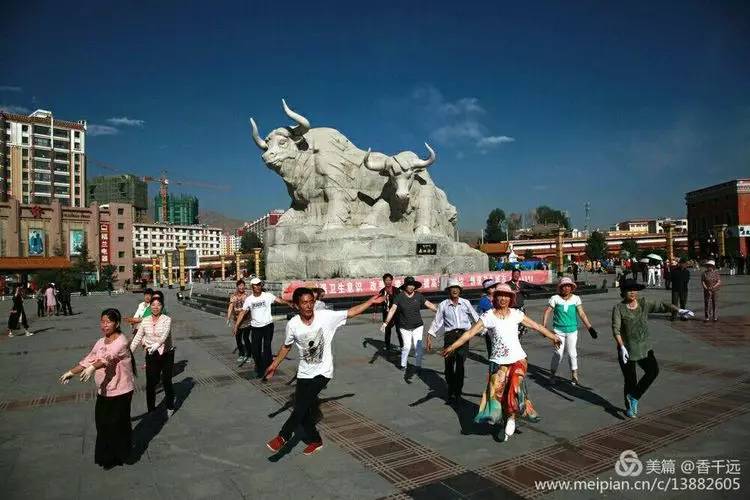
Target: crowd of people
[[499, 317]]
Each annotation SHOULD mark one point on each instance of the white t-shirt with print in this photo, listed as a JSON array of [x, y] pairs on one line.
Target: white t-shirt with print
[[506, 348], [260, 308], [314, 342]]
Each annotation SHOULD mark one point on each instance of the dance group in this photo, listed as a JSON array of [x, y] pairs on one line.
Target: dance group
[[499, 318]]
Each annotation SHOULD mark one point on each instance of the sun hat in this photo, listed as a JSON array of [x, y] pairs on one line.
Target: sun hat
[[256, 281], [312, 286], [488, 283], [566, 281], [453, 282], [409, 280], [710, 262], [504, 289]]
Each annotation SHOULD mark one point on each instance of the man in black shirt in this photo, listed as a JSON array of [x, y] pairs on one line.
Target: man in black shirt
[[680, 276]]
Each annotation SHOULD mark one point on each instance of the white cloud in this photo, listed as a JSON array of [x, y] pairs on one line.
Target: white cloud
[[125, 121], [10, 88], [459, 120], [95, 130], [10, 108], [494, 140]]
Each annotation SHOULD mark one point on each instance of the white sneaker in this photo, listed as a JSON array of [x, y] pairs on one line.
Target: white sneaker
[[239, 360], [510, 428], [29, 334], [170, 413], [10, 334]]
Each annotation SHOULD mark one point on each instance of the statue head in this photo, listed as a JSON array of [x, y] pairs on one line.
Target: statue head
[[401, 168], [282, 144]]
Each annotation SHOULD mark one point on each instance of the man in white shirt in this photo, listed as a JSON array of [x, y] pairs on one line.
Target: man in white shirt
[[312, 332], [454, 315]]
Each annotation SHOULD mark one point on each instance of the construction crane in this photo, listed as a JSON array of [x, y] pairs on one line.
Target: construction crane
[[164, 183], [587, 208]]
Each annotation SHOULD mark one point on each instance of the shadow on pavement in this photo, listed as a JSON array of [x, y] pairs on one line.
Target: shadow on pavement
[[566, 390], [465, 410], [151, 424], [393, 357]]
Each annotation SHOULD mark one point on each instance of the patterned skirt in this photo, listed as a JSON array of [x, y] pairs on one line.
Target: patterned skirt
[[506, 394]]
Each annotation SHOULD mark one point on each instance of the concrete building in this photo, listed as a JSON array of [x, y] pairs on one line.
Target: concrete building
[[155, 239], [229, 243], [656, 226], [636, 226], [722, 207], [32, 233], [259, 225], [42, 159], [120, 189], [181, 209]]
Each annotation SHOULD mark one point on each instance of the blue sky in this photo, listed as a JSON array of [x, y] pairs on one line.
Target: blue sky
[[626, 105]]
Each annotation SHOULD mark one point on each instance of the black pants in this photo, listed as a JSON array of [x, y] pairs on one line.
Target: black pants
[[40, 308], [388, 330], [16, 317], [679, 298], [66, 309], [113, 429], [243, 342], [159, 366], [305, 410], [636, 388], [454, 365], [262, 356]]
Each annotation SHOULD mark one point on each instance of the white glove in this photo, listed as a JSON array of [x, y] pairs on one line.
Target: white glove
[[383, 327], [624, 354], [686, 313], [86, 374], [65, 377]]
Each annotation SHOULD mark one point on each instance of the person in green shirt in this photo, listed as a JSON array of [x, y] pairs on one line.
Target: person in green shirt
[[630, 329]]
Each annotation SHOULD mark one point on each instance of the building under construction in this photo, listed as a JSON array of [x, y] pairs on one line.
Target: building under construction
[[181, 209], [120, 189]]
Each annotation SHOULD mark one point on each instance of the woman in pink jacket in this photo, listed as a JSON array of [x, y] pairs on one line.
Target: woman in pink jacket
[[112, 365]]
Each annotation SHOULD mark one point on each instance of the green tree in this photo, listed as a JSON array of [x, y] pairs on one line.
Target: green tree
[[137, 271], [547, 215], [83, 265], [596, 246], [493, 232], [249, 241], [631, 246]]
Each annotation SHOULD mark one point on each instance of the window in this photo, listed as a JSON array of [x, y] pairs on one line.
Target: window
[[40, 153], [121, 269], [121, 238], [120, 255], [120, 225], [38, 129], [41, 141], [120, 211]]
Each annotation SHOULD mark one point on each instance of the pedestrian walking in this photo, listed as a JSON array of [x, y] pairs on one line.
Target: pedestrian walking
[[506, 395], [312, 332], [651, 276], [18, 314], [241, 331], [565, 309], [484, 305], [630, 329], [455, 316], [155, 336], [112, 365], [40, 308], [711, 282], [389, 292], [64, 296], [258, 303], [50, 300], [680, 276], [408, 305], [575, 270]]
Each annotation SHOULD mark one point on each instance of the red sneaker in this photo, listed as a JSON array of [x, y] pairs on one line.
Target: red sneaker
[[312, 448], [276, 444]]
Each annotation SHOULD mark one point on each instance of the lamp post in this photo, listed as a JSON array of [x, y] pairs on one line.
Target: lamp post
[[181, 256]]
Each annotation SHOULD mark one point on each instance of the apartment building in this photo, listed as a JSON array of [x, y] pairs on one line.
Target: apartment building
[[156, 239]]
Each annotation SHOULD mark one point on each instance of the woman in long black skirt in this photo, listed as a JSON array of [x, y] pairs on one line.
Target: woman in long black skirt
[[18, 315], [113, 367]]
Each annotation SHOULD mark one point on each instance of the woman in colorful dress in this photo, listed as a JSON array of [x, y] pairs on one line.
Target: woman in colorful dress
[[630, 329], [506, 394], [112, 365]]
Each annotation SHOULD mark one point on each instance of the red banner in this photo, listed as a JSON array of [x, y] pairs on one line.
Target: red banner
[[104, 243], [352, 287]]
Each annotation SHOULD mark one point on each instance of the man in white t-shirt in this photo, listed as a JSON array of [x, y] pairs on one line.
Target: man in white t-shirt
[[261, 323], [312, 332]]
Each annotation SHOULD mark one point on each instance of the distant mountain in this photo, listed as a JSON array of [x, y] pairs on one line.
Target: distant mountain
[[216, 219]]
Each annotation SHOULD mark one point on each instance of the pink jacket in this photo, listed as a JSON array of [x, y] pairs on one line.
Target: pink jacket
[[116, 377]]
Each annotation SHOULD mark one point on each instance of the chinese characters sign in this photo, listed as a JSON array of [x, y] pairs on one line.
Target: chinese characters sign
[[104, 243]]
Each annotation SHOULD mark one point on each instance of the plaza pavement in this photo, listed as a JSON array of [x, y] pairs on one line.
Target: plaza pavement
[[385, 434]]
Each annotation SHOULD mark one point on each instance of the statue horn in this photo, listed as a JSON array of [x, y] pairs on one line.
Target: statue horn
[[426, 162], [256, 137], [303, 123]]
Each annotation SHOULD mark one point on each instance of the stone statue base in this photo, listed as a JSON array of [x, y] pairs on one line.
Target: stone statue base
[[304, 252]]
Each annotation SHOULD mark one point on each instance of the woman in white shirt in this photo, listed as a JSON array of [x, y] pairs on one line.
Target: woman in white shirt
[[506, 393]]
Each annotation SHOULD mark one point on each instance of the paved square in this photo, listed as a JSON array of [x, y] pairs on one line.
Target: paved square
[[386, 433]]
